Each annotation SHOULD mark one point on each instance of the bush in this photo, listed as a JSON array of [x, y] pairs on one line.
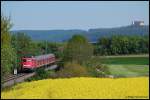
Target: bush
[[42, 74], [93, 67], [51, 74], [73, 70]]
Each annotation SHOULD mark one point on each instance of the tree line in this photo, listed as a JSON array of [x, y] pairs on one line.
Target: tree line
[[121, 44]]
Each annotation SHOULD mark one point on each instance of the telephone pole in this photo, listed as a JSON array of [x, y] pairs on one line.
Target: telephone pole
[[46, 51], [46, 47]]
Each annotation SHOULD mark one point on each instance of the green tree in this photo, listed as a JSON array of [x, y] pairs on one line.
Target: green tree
[[5, 30], [78, 49], [124, 44], [134, 44], [144, 44], [8, 59], [115, 45], [104, 44], [23, 41], [8, 54]]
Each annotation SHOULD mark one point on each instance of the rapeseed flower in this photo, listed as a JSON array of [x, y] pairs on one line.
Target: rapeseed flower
[[81, 88]]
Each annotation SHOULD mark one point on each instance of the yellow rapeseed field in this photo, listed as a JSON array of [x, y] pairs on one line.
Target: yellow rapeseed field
[[81, 88]]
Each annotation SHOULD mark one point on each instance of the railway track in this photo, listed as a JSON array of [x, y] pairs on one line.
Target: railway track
[[13, 79]]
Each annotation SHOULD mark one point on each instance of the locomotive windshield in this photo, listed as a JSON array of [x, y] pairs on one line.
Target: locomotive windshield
[[24, 60], [27, 60]]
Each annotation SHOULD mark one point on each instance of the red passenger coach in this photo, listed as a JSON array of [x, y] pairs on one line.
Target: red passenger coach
[[37, 61]]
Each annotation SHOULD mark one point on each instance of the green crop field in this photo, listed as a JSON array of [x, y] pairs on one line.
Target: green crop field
[[129, 70], [126, 66], [126, 60]]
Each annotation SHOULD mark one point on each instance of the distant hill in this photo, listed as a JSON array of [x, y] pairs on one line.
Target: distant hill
[[91, 34]]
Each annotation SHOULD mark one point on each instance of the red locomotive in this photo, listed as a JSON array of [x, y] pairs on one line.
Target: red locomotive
[[30, 63]]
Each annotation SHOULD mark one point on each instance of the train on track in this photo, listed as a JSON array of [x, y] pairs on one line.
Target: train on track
[[32, 63], [29, 64]]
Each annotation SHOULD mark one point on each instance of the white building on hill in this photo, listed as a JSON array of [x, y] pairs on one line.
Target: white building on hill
[[138, 23]]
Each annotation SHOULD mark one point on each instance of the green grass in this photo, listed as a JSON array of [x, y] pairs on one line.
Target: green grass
[[129, 70], [126, 60], [126, 66]]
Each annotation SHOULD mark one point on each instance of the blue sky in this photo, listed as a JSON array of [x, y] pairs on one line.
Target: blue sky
[[49, 15]]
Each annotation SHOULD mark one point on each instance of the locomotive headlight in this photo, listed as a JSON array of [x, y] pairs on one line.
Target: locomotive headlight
[[26, 65]]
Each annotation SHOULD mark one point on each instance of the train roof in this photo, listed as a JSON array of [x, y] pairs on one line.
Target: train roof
[[43, 56]]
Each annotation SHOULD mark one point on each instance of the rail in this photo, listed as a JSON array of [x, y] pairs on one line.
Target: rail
[[13, 79], [16, 79]]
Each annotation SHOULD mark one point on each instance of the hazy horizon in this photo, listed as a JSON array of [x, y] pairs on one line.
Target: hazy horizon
[[68, 15]]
